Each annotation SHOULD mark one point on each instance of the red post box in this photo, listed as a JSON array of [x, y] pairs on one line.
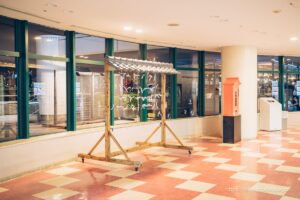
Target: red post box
[[231, 111], [231, 96]]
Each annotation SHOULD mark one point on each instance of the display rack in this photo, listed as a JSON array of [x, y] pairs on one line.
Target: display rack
[[139, 66]]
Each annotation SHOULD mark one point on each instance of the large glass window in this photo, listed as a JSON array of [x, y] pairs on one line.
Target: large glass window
[[158, 54], [292, 83], [127, 85], [46, 41], [89, 95], [47, 81], [8, 99], [267, 76], [47, 97], [8, 83], [213, 83], [90, 81], [212, 92], [187, 83], [7, 39], [267, 63], [89, 47], [187, 59], [187, 88]]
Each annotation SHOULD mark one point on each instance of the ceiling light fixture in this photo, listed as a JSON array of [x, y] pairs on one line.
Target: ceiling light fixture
[[139, 30], [173, 24], [293, 38], [37, 38], [127, 28]]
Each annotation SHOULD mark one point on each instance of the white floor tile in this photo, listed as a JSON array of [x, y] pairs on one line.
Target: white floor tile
[[296, 155], [253, 154], [163, 158], [287, 150], [270, 161], [207, 196], [59, 181], [2, 189], [216, 159], [286, 168], [247, 176], [121, 173], [56, 193], [241, 149], [183, 174], [174, 166], [125, 183], [270, 188], [230, 167], [271, 145], [205, 153], [132, 195], [63, 171], [196, 186]]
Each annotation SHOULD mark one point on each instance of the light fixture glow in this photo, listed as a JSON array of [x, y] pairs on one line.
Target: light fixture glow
[[127, 28], [293, 38], [49, 40], [139, 30], [37, 38]]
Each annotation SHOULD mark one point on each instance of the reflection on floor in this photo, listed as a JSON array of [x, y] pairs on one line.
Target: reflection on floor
[[265, 168]]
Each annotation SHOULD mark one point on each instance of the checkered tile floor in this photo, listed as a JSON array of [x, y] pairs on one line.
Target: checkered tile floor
[[265, 168]]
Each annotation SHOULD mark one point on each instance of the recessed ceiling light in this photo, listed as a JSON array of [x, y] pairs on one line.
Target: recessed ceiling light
[[293, 38], [277, 11], [37, 38], [127, 28], [173, 24], [139, 30]]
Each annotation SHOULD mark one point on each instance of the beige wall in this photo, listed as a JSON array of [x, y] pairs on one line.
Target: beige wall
[[23, 156]]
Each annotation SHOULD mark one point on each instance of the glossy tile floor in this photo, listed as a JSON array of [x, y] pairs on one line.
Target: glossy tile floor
[[265, 168]]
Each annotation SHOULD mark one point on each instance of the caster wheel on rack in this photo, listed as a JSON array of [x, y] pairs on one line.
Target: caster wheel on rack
[[82, 160], [190, 152]]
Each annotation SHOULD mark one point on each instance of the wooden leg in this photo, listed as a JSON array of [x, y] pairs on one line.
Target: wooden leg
[[150, 136], [178, 140], [98, 142], [120, 147]]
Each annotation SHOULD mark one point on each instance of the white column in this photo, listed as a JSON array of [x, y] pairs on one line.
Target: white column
[[241, 62]]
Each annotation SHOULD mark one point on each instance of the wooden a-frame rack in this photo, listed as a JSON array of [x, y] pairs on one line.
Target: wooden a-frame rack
[[108, 134]]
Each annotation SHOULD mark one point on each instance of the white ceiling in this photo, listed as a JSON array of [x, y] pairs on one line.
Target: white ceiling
[[203, 24]]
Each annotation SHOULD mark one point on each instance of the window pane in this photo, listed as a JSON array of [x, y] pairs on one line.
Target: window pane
[[292, 92], [90, 95], [126, 49], [187, 85], [47, 90], [292, 64], [126, 97], [7, 39], [159, 54], [212, 92], [267, 63], [8, 99], [89, 47], [187, 58], [212, 60], [267, 85], [46, 41]]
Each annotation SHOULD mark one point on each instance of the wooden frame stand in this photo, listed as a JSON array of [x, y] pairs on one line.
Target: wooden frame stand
[[108, 135]]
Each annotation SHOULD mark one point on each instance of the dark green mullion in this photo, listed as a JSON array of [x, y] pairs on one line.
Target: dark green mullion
[[143, 84], [109, 51], [173, 83], [281, 80], [201, 84], [21, 46], [71, 80]]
